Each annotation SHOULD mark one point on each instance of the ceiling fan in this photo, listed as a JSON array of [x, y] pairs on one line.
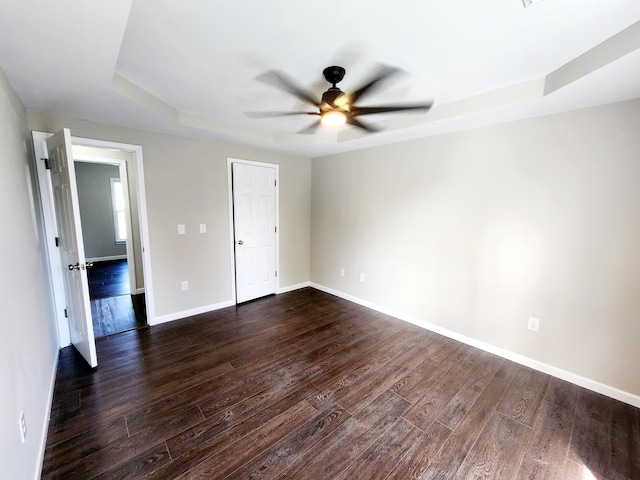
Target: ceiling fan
[[335, 107]]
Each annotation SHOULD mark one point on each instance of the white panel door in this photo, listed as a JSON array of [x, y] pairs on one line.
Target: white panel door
[[254, 216], [65, 198]]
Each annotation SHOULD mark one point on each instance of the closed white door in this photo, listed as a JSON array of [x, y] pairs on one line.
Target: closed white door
[[76, 286], [254, 216]]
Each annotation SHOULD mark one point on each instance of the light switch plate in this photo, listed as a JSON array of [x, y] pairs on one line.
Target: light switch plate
[[203, 228], [181, 229]]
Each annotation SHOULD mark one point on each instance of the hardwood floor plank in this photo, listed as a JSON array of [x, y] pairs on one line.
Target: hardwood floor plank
[[346, 323], [74, 428], [329, 457], [497, 453], [444, 388], [591, 438], [339, 380], [562, 393], [594, 412], [423, 451], [88, 461], [578, 471], [456, 448], [625, 442], [362, 392], [420, 379], [114, 405], [217, 393], [213, 435], [524, 396], [140, 465], [459, 406], [237, 454], [546, 454], [79, 447], [591, 449], [291, 448], [382, 457]]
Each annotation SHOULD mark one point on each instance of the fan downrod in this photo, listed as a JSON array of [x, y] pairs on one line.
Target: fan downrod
[[334, 74]]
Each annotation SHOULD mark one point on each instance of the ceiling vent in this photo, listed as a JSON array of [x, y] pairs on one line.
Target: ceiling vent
[[528, 3]]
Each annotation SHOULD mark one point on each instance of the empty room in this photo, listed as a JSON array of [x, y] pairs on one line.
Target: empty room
[[336, 240]]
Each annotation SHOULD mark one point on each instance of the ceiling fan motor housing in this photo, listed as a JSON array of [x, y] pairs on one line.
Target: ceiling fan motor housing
[[333, 97]]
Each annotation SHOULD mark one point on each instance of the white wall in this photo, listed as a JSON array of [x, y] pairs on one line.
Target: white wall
[[29, 352], [476, 231], [96, 210], [186, 183]]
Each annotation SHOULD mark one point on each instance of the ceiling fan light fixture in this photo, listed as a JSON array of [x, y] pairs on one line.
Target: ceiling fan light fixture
[[334, 118]]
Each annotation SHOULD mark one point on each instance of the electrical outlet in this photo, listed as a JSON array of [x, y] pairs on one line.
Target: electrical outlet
[[362, 277], [23, 427], [185, 285], [181, 229], [534, 324], [203, 228], [342, 272]]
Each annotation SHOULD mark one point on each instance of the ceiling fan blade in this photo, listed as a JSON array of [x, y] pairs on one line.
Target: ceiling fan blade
[[277, 114], [364, 126], [355, 111], [310, 129], [384, 73], [280, 80]]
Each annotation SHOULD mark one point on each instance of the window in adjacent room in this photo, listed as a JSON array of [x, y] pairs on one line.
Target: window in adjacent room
[[117, 200]]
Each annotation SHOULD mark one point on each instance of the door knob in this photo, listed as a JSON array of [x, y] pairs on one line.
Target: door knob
[[72, 267], [240, 242]]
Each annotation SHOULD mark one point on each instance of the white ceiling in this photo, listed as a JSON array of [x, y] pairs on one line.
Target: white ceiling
[[189, 66]]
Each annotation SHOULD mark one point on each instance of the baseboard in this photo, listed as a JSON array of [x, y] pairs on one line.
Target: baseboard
[[45, 429], [291, 288], [194, 311], [587, 383], [216, 306], [106, 259]]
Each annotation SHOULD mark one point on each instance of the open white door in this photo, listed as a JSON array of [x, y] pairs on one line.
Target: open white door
[[65, 198], [254, 217]]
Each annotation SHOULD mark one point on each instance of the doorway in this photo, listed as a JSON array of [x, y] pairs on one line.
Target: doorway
[[137, 252], [116, 295]]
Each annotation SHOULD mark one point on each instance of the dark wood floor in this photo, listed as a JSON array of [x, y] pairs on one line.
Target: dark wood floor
[[308, 386], [117, 314], [108, 279], [113, 309]]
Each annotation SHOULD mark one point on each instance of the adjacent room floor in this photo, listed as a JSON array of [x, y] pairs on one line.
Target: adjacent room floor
[[113, 308], [305, 385]]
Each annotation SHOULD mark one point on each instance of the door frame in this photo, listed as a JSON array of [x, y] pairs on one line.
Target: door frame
[[46, 199], [232, 250]]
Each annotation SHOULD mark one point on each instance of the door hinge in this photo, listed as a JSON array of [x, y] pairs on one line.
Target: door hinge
[[276, 273], [275, 229], [57, 241], [275, 183], [66, 314], [47, 165]]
